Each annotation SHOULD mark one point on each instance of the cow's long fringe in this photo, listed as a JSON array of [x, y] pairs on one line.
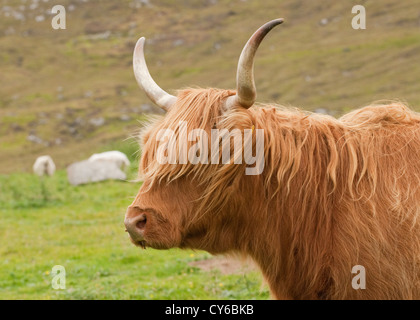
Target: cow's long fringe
[[341, 192]]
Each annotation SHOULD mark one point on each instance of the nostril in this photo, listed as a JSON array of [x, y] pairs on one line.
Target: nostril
[[141, 222]]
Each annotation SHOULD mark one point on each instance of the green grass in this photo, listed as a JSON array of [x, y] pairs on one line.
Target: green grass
[[47, 222]]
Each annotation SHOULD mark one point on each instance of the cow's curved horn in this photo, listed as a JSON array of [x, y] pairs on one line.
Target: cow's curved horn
[[245, 86], [145, 80]]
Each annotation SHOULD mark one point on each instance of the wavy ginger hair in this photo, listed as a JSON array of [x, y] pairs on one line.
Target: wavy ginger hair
[[334, 193]]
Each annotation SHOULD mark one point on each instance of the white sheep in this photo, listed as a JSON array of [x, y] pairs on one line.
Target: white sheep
[[44, 165], [119, 158]]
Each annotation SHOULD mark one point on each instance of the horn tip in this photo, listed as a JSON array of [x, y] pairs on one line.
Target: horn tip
[[140, 42]]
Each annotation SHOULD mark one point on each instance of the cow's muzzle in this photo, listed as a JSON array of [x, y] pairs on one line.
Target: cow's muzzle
[[135, 227]]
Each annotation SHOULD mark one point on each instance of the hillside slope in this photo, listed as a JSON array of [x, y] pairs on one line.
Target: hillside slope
[[72, 92]]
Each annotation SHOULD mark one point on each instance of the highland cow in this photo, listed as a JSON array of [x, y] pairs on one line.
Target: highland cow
[[334, 193]]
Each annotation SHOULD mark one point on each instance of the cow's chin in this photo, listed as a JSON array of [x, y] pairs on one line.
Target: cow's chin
[[142, 244]]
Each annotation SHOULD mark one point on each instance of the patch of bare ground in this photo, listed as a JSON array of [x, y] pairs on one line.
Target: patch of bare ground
[[225, 264]]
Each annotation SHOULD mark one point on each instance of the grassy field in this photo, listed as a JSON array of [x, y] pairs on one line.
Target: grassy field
[[48, 222]]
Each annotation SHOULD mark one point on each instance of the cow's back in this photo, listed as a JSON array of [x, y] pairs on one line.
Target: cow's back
[[385, 203]]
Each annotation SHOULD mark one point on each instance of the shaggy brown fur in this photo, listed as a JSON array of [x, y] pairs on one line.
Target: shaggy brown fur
[[334, 193]]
